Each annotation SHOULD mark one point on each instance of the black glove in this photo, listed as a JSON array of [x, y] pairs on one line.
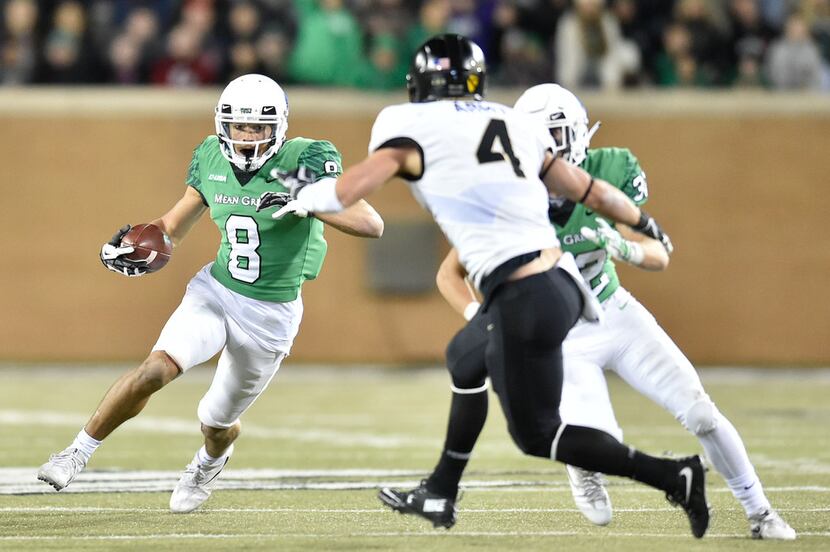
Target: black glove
[[649, 227], [112, 256], [272, 199]]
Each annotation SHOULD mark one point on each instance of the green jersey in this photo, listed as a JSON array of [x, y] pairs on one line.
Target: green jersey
[[620, 168], [258, 256]]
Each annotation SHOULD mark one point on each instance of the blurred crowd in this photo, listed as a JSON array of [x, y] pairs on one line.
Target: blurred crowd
[[582, 44]]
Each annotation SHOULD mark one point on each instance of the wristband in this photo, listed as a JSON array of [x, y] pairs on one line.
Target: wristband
[[320, 197], [636, 253], [471, 309], [587, 190], [643, 223]]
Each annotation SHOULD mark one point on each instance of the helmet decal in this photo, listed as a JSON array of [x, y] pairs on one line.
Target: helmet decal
[[447, 66]]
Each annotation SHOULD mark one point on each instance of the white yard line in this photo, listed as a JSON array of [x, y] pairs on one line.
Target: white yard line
[[604, 535], [23, 481], [209, 510], [183, 426]]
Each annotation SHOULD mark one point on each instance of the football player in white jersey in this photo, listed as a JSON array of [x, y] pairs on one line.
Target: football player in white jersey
[[485, 172], [628, 341]]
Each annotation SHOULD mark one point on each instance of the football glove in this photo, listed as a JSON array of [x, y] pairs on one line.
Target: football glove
[[272, 199], [111, 256], [618, 247], [649, 227], [293, 207], [317, 197], [297, 179]]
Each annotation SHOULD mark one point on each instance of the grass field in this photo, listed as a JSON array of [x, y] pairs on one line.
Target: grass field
[[317, 446]]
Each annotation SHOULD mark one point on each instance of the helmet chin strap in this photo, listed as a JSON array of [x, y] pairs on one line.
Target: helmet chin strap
[[593, 130]]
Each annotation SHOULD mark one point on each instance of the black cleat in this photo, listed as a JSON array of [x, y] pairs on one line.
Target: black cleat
[[690, 493], [438, 509]]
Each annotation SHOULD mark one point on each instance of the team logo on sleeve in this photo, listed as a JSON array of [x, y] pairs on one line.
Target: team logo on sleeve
[[331, 167]]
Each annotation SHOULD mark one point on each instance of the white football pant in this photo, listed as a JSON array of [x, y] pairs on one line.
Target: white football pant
[[630, 342], [254, 336]]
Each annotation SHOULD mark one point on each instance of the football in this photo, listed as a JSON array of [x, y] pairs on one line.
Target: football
[[151, 244]]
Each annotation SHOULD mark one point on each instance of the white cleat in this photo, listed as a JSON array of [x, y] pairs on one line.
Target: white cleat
[[196, 484], [767, 524], [62, 468], [588, 490]]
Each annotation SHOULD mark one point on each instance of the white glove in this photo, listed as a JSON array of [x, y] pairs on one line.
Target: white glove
[[320, 197], [609, 239], [295, 207]]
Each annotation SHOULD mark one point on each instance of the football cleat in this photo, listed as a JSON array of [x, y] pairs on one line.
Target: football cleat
[[62, 468], [690, 493], [196, 484], [767, 524], [438, 509], [590, 496]]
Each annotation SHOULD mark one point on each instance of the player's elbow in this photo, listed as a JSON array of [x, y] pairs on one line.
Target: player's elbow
[[448, 272], [597, 198], [441, 277], [362, 221], [373, 226], [611, 203], [371, 222], [661, 261]]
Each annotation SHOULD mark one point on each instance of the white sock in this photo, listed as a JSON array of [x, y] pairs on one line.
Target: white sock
[[748, 489], [206, 459], [85, 444], [726, 451]]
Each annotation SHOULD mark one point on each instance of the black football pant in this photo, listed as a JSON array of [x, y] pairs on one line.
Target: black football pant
[[527, 321]]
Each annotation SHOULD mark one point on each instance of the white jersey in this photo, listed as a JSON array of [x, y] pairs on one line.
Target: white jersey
[[480, 181]]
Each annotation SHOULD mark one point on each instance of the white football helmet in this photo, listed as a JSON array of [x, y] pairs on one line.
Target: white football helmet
[[254, 99], [558, 108]]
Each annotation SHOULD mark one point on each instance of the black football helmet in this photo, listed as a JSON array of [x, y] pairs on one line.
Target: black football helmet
[[446, 66]]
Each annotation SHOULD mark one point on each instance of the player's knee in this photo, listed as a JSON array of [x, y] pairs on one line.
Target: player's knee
[[467, 368], [468, 381], [701, 417], [155, 372], [532, 443]]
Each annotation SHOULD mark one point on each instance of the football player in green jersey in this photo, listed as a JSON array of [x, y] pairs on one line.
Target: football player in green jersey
[[247, 303], [628, 341]]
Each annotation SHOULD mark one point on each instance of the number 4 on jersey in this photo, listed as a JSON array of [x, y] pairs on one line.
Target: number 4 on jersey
[[486, 154]]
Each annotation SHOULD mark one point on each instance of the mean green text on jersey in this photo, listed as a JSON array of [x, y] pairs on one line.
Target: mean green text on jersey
[[258, 256]]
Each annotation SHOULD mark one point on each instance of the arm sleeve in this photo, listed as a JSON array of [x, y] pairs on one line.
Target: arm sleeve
[[394, 127], [391, 126], [322, 158], [193, 177], [634, 185], [194, 173]]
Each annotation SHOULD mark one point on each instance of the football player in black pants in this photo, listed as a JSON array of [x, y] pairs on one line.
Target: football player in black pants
[[484, 171]]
